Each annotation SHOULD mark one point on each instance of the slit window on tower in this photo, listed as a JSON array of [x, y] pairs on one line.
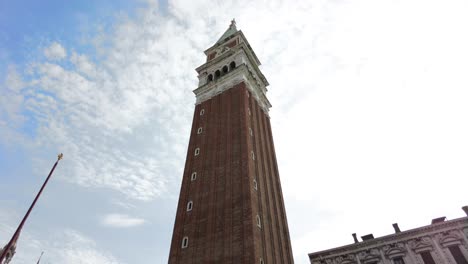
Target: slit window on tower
[[199, 130], [185, 242], [232, 65], [261, 261], [225, 69], [217, 74], [197, 151], [255, 184], [252, 154], [250, 131], [210, 77], [250, 113], [202, 112], [398, 260], [189, 206], [259, 223], [194, 176]]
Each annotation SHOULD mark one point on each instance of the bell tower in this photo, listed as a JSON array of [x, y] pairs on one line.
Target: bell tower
[[231, 207]]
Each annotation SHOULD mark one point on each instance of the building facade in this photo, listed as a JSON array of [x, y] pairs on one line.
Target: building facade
[[231, 207], [442, 242]]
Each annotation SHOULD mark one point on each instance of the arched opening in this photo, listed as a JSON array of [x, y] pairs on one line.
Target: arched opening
[[217, 74], [225, 69], [232, 65], [259, 223], [210, 77], [194, 176], [185, 242], [189, 206]]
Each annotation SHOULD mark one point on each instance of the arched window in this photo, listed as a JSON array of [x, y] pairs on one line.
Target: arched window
[[217, 74], [194, 176], [202, 112], [189, 206], [255, 184], [250, 131], [225, 69], [232, 65], [199, 130], [252, 154], [185, 242], [261, 261], [197, 151], [259, 223], [210, 77]]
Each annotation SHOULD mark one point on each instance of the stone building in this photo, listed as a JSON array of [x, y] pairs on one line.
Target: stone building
[[441, 242], [231, 207]]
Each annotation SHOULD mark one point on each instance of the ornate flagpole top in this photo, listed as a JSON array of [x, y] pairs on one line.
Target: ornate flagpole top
[[60, 156]]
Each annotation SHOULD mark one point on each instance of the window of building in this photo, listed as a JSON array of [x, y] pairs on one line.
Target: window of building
[[457, 254], [253, 155], [189, 206], [210, 77], [250, 113], [194, 176], [225, 69], [261, 261], [185, 242], [427, 257], [199, 130], [250, 131], [197, 151], [255, 184], [398, 260], [248, 94], [202, 112], [217, 74], [259, 223], [232, 65]]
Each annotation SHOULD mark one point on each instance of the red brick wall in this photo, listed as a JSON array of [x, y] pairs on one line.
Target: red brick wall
[[222, 225]]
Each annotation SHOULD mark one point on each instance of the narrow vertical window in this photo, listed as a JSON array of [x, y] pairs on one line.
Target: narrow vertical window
[[398, 260], [261, 261], [259, 223], [189, 206], [202, 112], [250, 113], [185, 242], [250, 131], [248, 94], [252, 154], [199, 130], [457, 255], [194, 176], [427, 257], [197, 151], [255, 184]]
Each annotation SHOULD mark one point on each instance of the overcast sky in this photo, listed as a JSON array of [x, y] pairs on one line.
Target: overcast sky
[[370, 117]]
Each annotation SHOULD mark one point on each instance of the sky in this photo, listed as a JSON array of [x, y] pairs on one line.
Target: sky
[[369, 117]]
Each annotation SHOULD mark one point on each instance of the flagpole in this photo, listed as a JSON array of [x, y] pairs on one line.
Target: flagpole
[[40, 257], [18, 230]]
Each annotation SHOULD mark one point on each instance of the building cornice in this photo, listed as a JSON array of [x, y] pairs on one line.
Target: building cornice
[[393, 238]]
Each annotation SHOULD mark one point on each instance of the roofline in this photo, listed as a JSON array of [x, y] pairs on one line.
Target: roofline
[[238, 33], [395, 235]]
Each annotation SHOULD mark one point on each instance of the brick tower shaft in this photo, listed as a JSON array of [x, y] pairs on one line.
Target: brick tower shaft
[[231, 207]]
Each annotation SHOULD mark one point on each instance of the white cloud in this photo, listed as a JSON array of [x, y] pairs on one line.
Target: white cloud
[[55, 52], [59, 246], [121, 220]]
